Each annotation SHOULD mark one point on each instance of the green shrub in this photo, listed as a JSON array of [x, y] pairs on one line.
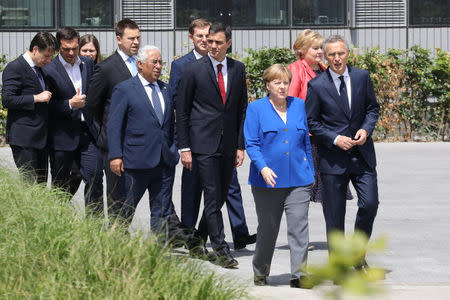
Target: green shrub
[[258, 61], [47, 251]]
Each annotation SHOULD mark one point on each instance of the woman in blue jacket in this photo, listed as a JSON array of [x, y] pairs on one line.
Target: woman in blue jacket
[[281, 172]]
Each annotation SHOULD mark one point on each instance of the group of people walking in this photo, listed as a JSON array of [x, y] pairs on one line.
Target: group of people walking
[[307, 139]]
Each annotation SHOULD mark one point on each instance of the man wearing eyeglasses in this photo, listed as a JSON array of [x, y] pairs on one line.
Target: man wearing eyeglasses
[[141, 142], [342, 112]]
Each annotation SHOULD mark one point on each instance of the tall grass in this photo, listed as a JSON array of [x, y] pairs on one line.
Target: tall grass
[[47, 251]]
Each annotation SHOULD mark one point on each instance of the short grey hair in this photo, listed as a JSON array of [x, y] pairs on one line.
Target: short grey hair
[[333, 39], [142, 53]]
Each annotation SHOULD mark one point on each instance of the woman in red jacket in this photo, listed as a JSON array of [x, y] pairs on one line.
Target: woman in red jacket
[[309, 51]]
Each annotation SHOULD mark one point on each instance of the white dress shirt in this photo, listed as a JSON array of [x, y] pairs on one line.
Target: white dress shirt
[[148, 90], [74, 74], [224, 69], [337, 84], [28, 59], [125, 59]]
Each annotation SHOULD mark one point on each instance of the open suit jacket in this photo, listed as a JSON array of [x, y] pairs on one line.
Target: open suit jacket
[[329, 117], [64, 122], [134, 131], [26, 124], [176, 70], [107, 74], [202, 118]]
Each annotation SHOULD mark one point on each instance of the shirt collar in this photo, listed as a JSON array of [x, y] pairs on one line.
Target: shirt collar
[[335, 75], [215, 63], [28, 59], [124, 56], [145, 81], [66, 64], [197, 55]]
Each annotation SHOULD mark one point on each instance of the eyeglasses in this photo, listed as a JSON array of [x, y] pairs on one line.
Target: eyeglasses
[[156, 62]]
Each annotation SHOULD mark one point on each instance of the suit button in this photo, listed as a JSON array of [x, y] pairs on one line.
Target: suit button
[[286, 141], [304, 158], [286, 129], [287, 153]]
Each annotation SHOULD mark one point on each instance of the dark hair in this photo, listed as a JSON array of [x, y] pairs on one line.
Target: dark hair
[[220, 27], [198, 23], [66, 33], [123, 24], [43, 40], [90, 38]]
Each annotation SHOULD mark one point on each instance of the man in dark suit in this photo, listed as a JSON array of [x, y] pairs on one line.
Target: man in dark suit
[[70, 139], [210, 111], [141, 141], [191, 189], [107, 74], [26, 97], [342, 112]]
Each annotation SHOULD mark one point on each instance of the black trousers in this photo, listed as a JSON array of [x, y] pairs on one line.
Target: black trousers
[[115, 188], [215, 172], [32, 163], [364, 180]]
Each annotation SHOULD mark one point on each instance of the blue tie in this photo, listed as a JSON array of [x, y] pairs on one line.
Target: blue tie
[[343, 92], [134, 70], [156, 103], [39, 76]]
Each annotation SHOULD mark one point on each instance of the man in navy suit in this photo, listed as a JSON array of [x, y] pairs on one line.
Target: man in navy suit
[[70, 139], [141, 140], [191, 189], [342, 112], [26, 97], [107, 74], [211, 103]]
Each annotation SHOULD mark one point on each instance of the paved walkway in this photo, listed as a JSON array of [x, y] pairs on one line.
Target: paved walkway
[[414, 186]]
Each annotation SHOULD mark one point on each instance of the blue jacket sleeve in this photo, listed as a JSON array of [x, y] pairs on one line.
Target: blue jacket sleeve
[[116, 118], [252, 137]]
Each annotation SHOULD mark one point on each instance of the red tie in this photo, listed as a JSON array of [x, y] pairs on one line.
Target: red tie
[[221, 83]]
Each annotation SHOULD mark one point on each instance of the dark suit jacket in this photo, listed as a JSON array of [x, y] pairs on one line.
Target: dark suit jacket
[[26, 123], [176, 70], [329, 117], [65, 123], [134, 132], [202, 119], [107, 74]]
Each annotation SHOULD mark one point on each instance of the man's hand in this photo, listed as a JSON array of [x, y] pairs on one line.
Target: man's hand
[[360, 137], [344, 142], [78, 101], [239, 158], [186, 159], [43, 97], [269, 176], [116, 165]]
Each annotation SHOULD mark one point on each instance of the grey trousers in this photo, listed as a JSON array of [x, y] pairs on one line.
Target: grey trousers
[[270, 204]]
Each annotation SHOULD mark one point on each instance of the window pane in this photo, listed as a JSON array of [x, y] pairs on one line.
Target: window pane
[[237, 13], [26, 13], [429, 12], [87, 13], [319, 12]]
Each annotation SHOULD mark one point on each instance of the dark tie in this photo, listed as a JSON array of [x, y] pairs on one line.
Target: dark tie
[[37, 70], [221, 83], [157, 103], [343, 92]]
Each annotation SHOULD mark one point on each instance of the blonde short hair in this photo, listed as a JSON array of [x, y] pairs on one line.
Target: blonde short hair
[[305, 40], [276, 71]]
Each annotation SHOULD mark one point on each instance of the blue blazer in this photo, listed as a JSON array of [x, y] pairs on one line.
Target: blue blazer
[[284, 148], [134, 131], [176, 70], [64, 122], [26, 123], [329, 117]]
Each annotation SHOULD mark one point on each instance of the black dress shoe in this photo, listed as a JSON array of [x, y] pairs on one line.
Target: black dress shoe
[[200, 252], [260, 280], [225, 260], [301, 283], [362, 266], [242, 241]]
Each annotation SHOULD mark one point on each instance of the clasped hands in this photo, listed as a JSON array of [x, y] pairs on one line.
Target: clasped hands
[[346, 143]]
